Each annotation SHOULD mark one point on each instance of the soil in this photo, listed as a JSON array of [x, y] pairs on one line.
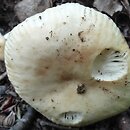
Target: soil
[[16, 114]]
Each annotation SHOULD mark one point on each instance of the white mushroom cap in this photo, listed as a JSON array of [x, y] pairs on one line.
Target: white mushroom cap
[[71, 63]]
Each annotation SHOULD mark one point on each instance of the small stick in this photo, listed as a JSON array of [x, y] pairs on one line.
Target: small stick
[[126, 5], [3, 75]]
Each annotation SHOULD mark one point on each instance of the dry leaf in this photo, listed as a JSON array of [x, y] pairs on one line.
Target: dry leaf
[[7, 103], [7, 121], [108, 6]]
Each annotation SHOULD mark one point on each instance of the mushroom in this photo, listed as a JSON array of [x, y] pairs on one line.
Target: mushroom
[[71, 63]]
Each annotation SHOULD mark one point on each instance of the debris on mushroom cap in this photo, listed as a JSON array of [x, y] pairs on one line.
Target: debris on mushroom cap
[[2, 43], [71, 63]]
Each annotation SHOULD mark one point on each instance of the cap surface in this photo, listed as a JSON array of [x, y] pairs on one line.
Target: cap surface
[[71, 63]]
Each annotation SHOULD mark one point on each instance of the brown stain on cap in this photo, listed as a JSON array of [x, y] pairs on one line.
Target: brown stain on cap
[[66, 76], [43, 66]]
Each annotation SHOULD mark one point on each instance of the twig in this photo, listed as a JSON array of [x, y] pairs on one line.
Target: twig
[[46, 123], [126, 5], [3, 75]]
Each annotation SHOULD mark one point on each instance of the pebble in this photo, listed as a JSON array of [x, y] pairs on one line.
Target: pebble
[[27, 8], [108, 6]]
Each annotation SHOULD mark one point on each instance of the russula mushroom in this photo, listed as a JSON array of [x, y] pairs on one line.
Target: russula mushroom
[[71, 63]]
